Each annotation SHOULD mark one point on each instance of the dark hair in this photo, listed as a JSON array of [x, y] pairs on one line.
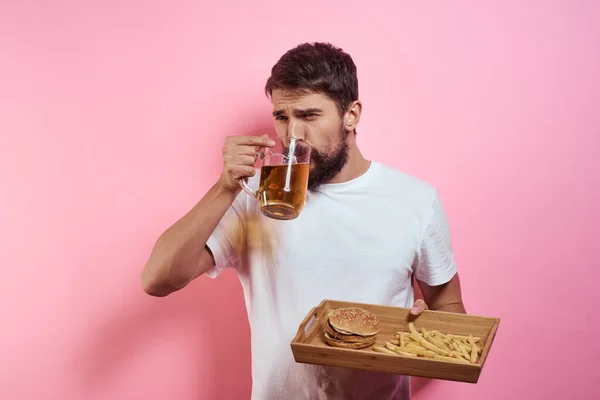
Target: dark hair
[[317, 68]]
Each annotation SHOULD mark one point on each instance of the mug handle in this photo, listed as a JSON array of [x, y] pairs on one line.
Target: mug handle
[[249, 191], [262, 154]]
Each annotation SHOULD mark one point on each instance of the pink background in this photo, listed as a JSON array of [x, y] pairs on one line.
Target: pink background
[[112, 116]]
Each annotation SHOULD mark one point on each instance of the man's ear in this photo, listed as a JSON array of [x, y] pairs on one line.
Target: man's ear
[[352, 116]]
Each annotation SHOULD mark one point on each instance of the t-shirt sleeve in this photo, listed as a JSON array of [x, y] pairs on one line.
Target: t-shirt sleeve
[[435, 264], [226, 243]]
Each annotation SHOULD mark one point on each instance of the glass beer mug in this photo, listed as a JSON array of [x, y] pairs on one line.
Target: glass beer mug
[[283, 184]]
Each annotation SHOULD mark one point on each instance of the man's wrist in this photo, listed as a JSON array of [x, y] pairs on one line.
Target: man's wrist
[[224, 189]]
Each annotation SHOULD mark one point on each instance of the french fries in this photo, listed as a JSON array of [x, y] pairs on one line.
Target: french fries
[[380, 349], [433, 344]]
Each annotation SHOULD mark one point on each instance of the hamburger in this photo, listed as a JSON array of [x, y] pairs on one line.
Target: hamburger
[[351, 328]]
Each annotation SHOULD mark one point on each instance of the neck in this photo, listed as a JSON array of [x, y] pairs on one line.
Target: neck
[[356, 165]]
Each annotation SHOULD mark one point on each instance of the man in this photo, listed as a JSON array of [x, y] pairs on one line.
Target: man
[[366, 230]]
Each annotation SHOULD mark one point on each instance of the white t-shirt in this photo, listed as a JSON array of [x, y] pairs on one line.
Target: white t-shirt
[[360, 241]]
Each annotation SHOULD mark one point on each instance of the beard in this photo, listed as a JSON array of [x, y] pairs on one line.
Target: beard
[[329, 162]]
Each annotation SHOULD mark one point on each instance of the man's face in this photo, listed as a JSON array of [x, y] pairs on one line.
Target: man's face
[[313, 118]]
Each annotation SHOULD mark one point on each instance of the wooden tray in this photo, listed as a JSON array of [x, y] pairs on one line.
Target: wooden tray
[[309, 345]]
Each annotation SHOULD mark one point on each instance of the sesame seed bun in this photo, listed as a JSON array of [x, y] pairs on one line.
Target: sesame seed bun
[[354, 321]]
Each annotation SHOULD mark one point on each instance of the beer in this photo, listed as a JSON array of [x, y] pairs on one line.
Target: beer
[[282, 191], [283, 180]]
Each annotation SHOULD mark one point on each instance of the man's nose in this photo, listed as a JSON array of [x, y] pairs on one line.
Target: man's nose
[[296, 129]]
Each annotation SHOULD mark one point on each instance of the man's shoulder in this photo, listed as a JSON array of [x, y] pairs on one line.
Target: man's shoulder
[[404, 182]]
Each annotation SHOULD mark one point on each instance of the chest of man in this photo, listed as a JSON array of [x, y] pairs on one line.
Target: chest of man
[[337, 248]]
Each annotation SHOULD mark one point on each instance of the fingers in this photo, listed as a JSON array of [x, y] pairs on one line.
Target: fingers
[[247, 145], [239, 156], [238, 171], [260, 141], [246, 150], [242, 159], [417, 309]]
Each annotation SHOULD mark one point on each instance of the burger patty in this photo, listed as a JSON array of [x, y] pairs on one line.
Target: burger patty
[[345, 337]]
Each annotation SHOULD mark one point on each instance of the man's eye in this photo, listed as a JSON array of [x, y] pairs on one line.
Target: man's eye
[[310, 116], [281, 118]]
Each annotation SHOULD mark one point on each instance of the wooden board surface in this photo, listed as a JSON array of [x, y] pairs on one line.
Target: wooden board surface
[[309, 344]]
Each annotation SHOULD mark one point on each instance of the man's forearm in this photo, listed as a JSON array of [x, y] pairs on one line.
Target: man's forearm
[[446, 297], [457, 307], [179, 254]]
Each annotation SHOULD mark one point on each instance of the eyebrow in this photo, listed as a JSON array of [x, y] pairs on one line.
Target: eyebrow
[[302, 111]]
